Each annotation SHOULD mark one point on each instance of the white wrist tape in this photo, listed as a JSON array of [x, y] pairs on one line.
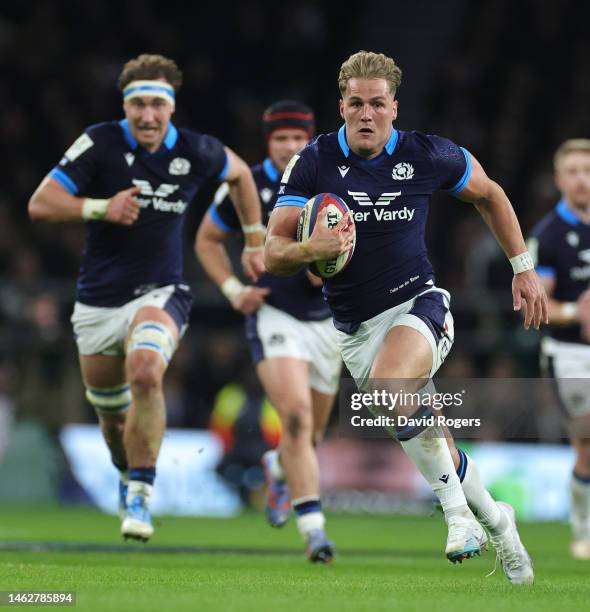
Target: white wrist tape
[[569, 311], [253, 228], [253, 249], [522, 263], [231, 288], [93, 210]]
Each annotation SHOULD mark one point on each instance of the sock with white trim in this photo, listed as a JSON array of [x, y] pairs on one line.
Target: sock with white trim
[[308, 514]]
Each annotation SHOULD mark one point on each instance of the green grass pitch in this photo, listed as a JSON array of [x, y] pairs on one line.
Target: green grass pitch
[[383, 563]]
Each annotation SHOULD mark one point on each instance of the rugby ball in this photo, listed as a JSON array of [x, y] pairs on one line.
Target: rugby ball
[[336, 209]]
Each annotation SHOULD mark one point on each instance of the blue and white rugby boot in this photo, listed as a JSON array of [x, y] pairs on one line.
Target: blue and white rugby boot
[[278, 502], [319, 548], [511, 552], [466, 539], [137, 523]]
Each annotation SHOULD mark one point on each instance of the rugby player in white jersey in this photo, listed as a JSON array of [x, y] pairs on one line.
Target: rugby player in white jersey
[[131, 182], [393, 323]]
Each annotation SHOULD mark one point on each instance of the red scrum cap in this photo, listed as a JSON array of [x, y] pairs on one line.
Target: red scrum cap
[[288, 114]]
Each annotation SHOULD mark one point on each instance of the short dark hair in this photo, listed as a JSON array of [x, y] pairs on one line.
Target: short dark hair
[[146, 67]]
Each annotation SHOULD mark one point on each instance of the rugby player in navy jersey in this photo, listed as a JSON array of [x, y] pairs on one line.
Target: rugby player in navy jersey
[[393, 322], [290, 332], [560, 244], [131, 182]]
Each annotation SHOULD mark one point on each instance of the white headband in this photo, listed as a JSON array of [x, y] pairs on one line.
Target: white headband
[[158, 89]]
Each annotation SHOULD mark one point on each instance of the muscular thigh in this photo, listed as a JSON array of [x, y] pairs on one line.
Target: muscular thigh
[[286, 382], [404, 354], [102, 371], [410, 340], [153, 313], [151, 340]]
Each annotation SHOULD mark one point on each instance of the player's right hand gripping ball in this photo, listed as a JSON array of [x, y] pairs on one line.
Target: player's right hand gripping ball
[[336, 209]]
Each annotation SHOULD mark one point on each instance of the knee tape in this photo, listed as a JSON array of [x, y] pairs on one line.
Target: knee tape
[[152, 336], [109, 400]]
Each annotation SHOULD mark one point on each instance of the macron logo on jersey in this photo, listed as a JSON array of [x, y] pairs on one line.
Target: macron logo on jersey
[[157, 197], [380, 214]]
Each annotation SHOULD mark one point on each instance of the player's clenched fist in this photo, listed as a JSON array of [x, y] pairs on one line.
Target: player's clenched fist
[[326, 243], [123, 207]]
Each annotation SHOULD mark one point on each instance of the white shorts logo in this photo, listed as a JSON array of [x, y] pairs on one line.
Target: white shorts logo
[[402, 172]]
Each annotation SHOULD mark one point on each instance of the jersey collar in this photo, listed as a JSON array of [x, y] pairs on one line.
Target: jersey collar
[[389, 145], [566, 213], [271, 170], [169, 140]]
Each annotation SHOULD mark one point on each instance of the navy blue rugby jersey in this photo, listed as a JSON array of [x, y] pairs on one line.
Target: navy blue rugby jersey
[[560, 246], [294, 295], [388, 196], [122, 262]]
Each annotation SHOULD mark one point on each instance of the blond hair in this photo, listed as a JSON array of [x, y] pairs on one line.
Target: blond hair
[[147, 67], [574, 145], [369, 65]]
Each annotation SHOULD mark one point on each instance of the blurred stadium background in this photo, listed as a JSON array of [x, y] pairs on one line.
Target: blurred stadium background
[[502, 78]]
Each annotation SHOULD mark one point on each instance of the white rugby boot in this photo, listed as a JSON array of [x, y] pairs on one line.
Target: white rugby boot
[[580, 550], [466, 538], [580, 546], [516, 562], [137, 521]]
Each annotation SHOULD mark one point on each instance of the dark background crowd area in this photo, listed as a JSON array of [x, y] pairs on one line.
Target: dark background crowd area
[[507, 80]]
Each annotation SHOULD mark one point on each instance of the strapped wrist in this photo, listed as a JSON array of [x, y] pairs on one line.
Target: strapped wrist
[[94, 210], [522, 263], [231, 288], [252, 228], [569, 311]]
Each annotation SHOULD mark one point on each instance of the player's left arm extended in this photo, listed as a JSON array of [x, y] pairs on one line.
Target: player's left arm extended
[[244, 195], [495, 208]]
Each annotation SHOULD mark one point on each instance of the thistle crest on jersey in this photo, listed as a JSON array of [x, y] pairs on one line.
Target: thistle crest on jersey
[[336, 208], [402, 172]]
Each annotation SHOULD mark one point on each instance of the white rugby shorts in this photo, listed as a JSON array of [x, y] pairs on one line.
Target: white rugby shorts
[[103, 330], [427, 313], [569, 364], [274, 333]]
